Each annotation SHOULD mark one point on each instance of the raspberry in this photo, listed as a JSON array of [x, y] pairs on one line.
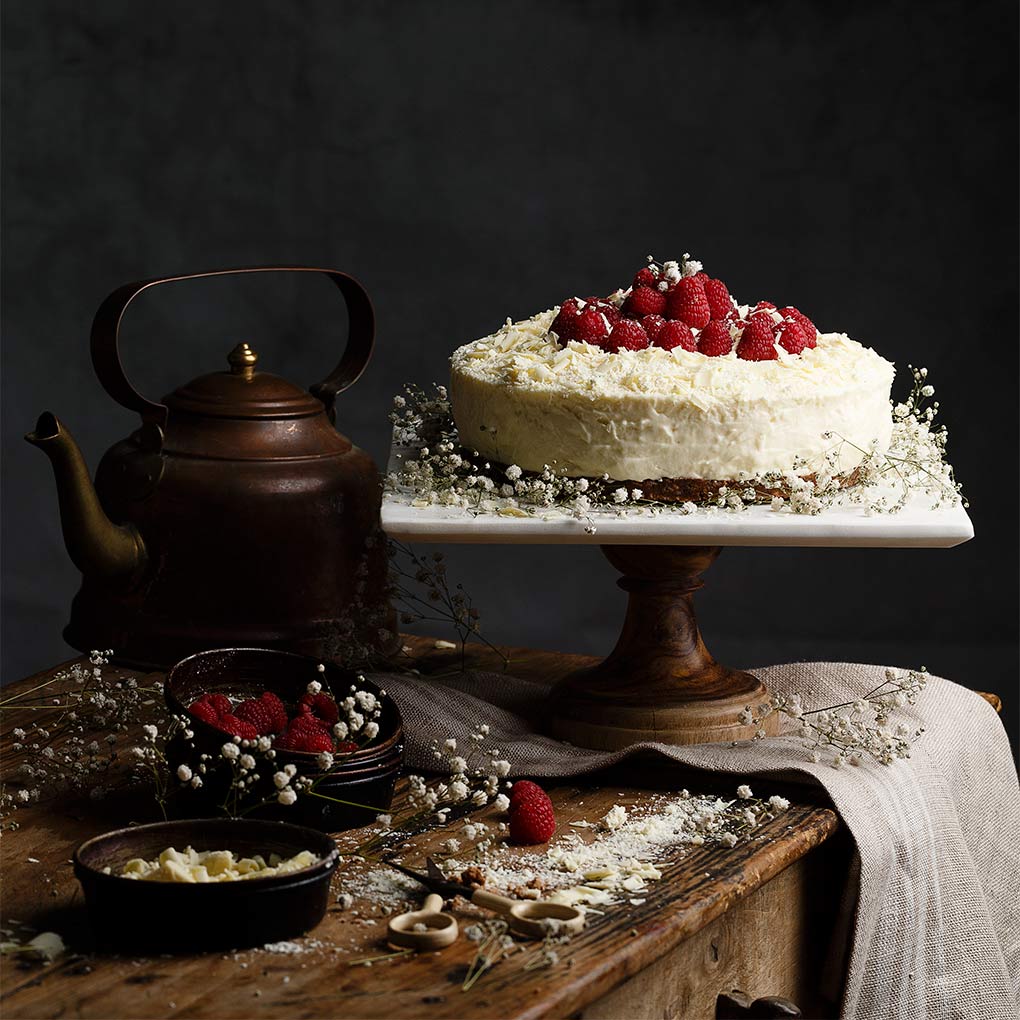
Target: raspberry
[[220, 703], [322, 706], [346, 746], [793, 337], [306, 722], [676, 334], [312, 742], [305, 733], [566, 321], [715, 340], [687, 302], [757, 343], [201, 709], [524, 789], [256, 713], [719, 301], [644, 301], [277, 713], [765, 319], [762, 306], [532, 821], [646, 277], [789, 312], [627, 335], [237, 727], [591, 327], [607, 308], [653, 325]]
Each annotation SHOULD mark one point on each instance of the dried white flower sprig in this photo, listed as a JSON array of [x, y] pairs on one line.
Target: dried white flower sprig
[[79, 716], [847, 733], [494, 943], [473, 777], [438, 470], [433, 600]]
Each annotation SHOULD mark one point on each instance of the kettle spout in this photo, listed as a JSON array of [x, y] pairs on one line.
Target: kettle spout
[[99, 548]]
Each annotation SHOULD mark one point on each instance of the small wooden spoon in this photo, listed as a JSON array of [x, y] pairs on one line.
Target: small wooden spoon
[[441, 928]]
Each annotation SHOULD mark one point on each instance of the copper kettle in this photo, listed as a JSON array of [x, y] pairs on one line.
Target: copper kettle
[[235, 515]]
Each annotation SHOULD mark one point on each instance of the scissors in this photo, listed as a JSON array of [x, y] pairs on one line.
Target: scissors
[[440, 929], [525, 917]]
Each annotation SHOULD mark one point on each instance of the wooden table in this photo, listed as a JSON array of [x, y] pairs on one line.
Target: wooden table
[[757, 917]]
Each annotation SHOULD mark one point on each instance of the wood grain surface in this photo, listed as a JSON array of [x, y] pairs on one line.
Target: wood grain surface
[[701, 888]]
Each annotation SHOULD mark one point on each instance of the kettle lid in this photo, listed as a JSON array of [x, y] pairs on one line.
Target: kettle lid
[[242, 392]]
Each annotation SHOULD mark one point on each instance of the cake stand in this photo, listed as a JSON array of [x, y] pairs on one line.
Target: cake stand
[[660, 682]]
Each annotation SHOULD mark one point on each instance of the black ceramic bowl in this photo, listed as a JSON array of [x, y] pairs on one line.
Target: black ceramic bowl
[[359, 787], [172, 917]]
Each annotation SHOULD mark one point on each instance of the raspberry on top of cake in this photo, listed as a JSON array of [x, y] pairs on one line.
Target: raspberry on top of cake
[[671, 378]]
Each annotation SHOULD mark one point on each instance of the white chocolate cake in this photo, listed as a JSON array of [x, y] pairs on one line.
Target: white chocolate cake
[[527, 396]]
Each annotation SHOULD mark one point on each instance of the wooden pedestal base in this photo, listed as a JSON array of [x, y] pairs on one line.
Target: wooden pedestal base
[[659, 682]]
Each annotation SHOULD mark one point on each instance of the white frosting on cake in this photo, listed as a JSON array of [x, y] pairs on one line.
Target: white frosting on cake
[[520, 398]]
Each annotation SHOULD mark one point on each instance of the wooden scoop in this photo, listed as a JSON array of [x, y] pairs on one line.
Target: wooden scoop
[[440, 928], [526, 917]]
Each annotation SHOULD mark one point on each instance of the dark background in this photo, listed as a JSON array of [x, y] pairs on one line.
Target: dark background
[[469, 161]]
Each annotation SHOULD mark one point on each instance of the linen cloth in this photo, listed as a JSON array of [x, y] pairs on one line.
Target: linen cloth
[[936, 932]]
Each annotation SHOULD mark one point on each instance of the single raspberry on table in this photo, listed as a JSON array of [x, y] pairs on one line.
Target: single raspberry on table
[[653, 325], [789, 312], [643, 301], [237, 727], [532, 821], [757, 343], [676, 334], [688, 303], [322, 706], [719, 301], [793, 336], [566, 320], [525, 789], [202, 709], [592, 327], [626, 335], [715, 340], [646, 277]]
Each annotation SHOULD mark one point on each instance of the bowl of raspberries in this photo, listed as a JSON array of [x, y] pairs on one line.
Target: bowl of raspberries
[[324, 725]]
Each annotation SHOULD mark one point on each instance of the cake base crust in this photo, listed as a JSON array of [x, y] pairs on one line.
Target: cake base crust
[[700, 490]]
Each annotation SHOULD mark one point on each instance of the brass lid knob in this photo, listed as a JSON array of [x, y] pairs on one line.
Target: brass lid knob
[[242, 360]]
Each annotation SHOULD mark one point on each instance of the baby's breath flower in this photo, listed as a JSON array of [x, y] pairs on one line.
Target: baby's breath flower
[[183, 773], [286, 796], [281, 779], [230, 750], [744, 792]]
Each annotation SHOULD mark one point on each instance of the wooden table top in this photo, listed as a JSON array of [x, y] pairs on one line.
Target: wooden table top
[[319, 977]]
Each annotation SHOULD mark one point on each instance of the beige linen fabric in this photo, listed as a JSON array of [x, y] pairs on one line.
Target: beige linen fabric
[[937, 927]]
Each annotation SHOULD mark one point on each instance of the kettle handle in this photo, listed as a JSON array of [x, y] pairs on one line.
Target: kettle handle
[[106, 336]]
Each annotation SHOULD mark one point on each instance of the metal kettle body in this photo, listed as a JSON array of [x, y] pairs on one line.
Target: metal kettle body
[[236, 515]]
